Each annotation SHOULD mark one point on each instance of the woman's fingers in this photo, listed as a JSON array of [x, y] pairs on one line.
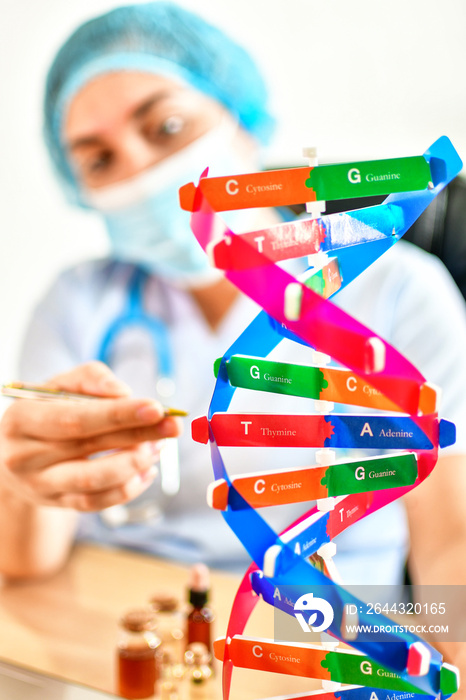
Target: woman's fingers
[[93, 378], [45, 445], [27, 455], [102, 473], [90, 502], [66, 420]]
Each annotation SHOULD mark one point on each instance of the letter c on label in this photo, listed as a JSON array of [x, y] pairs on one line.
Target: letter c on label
[[351, 383], [232, 187], [259, 486], [354, 175], [256, 649], [366, 668]]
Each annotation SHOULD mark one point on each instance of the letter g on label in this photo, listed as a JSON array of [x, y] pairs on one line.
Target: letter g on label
[[232, 187], [366, 668], [354, 175], [360, 473], [254, 371]]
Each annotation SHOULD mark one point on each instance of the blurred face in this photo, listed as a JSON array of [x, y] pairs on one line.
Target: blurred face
[[123, 123]]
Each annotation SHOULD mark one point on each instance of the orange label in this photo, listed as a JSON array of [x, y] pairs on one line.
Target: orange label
[[346, 387], [272, 188], [282, 487], [267, 655]]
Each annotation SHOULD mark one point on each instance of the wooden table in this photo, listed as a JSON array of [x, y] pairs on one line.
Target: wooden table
[[67, 626]]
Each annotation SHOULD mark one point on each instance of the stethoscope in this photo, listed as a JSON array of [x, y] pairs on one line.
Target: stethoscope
[[134, 315]]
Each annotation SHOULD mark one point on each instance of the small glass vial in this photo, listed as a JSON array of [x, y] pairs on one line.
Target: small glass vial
[[171, 676], [137, 654], [198, 671], [200, 617], [170, 622]]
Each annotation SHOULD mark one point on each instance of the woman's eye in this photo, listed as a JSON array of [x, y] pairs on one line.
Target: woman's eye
[[99, 162], [172, 125], [162, 130], [95, 165]]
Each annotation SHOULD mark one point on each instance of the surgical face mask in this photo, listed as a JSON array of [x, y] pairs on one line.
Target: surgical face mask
[[145, 223]]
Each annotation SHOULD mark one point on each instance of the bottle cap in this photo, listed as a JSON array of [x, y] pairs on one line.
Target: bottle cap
[[199, 585], [164, 602], [139, 620]]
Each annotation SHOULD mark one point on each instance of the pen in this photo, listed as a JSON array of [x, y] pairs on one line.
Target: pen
[[20, 390]]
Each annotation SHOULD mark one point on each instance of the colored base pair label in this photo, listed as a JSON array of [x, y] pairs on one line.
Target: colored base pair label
[[274, 488], [325, 384], [351, 692], [296, 239], [319, 528], [375, 432], [325, 281], [367, 178], [274, 188], [311, 661]]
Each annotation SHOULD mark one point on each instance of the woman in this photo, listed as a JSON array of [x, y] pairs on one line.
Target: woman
[[138, 102]]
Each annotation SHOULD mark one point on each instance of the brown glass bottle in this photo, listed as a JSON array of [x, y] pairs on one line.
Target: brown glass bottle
[[137, 647], [200, 617]]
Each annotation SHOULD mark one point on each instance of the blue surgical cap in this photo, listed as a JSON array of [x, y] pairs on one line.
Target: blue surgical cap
[[160, 38]]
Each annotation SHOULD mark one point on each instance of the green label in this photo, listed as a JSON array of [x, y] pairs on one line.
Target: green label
[[371, 177], [448, 681], [326, 281], [370, 475], [275, 377], [349, 668], [316, 282]]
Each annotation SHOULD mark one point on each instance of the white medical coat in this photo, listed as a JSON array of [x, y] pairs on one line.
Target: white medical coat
[[406, 296]]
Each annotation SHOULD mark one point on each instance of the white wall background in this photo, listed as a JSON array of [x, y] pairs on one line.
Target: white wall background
[[357, 78]]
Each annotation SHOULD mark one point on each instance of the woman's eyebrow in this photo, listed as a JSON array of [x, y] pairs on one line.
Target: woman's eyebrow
[[83, 142], [142, 109], [138, 113]]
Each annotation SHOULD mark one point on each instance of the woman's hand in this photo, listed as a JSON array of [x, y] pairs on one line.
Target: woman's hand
[[45, 445]]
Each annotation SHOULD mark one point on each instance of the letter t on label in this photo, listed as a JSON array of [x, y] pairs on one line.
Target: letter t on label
[[246, 423], [258, 240]]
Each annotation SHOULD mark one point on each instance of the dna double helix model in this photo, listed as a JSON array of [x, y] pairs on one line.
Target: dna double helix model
[[402, 427]]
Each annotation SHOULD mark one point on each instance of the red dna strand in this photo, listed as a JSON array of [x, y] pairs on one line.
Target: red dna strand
[[293, 570]]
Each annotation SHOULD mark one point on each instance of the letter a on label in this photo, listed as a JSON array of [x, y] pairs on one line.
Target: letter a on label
[[366, 429], [276, 593], [373, 696]]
